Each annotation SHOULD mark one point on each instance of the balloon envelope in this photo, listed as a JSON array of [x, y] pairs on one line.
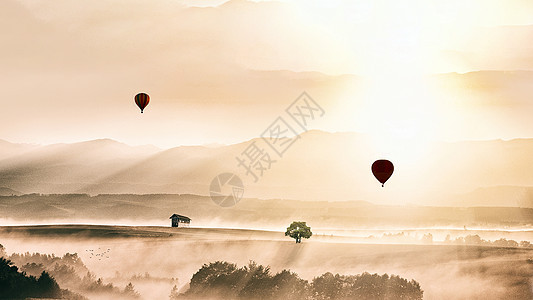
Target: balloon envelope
[[142, 100], [382, 170]]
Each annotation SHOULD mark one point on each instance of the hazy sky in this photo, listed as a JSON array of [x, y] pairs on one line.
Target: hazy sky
[[69, 69]]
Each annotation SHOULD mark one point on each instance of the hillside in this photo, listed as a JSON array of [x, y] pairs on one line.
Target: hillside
[[442, 175], [274, 213]]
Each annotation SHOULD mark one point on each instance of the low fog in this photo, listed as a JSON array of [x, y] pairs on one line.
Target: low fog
[[154, 259], [452, 252], [85, 216]]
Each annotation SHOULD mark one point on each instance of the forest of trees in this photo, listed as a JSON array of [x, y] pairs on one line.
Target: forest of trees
[[46, 276], [17, 285], [224, 280]]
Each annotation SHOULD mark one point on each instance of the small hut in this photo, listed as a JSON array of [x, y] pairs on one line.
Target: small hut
[[180, 221]]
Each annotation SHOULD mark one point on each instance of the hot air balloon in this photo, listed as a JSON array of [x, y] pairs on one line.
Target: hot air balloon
[[382, 170], [142, 100]]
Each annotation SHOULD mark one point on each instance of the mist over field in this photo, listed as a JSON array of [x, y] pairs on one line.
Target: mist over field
[[171, 257], [94, 216], [453, 253], [245, 149]]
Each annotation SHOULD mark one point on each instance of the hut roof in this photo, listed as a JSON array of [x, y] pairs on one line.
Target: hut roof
[[180, 217]]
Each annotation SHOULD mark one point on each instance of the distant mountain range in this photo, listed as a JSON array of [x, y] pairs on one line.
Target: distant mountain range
[[319, 166]]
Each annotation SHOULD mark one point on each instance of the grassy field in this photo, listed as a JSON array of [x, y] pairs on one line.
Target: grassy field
[[444, 271]]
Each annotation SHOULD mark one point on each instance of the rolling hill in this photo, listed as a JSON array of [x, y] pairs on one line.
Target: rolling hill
[[447, 174], [249, 212]]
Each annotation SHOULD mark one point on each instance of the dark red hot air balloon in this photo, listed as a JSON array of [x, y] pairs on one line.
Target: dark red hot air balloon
[[142, 100], [382, 170]]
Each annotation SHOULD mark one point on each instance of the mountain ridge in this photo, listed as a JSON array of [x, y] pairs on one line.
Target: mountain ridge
[[319, 166]]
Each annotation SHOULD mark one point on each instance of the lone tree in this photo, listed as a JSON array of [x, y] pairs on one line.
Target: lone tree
[[298, 230]]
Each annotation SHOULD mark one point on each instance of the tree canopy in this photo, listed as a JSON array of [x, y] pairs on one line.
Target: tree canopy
[[224, 280], [17, 285], [299, 230]]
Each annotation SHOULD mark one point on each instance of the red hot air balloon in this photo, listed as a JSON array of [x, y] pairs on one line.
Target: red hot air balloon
[[142, 100], [382, 170]]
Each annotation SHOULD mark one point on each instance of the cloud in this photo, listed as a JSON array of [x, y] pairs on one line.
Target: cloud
[[71, 68]]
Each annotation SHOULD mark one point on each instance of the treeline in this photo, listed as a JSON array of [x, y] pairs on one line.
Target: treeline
[[477, 240], [17, 285], [467, 240], [224, 280], [67, 271]]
